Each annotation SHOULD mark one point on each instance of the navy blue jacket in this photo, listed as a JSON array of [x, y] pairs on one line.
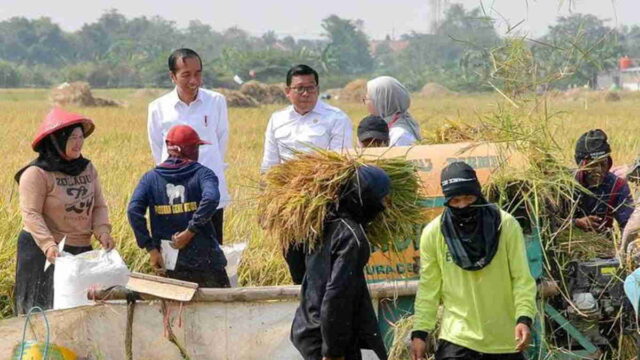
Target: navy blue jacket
[[603, 201], [180, 195]]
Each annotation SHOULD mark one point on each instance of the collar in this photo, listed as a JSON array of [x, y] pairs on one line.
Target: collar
[[175, 99], [318, 109]]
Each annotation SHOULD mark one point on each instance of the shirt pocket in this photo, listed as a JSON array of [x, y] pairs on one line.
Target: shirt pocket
[[315, 135]]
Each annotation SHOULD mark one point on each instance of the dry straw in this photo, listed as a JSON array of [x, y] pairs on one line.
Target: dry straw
[[299, 192]]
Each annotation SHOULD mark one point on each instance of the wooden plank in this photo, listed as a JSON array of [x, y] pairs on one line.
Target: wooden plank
[[161, 290]]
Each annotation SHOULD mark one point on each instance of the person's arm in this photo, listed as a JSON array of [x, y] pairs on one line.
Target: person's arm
[[222, 130], [271, 154], [209, 201], [523, 284], [154, 132], [341, 134], [33, 191], [136, 211], [101, 224], [631, 229], [337, 309], [624, 206], [295, 258], [430, 284]]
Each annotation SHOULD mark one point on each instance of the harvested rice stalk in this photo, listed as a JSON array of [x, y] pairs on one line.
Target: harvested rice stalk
[[299, 192], [401, 345]]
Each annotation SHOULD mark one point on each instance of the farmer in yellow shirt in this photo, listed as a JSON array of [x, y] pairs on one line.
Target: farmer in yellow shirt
[[473, 263]]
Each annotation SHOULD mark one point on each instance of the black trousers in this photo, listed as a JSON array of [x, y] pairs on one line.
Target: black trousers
[[34, 286], [218, 224], [447, 350], [207, 279]]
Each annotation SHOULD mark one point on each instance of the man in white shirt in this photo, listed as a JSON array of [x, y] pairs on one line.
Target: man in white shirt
[[204, 110], [304, 125], [307, 123]]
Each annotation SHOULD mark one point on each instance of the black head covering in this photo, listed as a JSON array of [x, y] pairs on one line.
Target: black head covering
[[373, 127], [472, 233], [362, 199], [592, 145], [49, 155], [459, 178]]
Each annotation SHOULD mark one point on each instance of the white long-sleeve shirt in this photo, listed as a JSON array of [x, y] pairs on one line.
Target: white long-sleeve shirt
[[399, 136], [324, 127], [207, 115]]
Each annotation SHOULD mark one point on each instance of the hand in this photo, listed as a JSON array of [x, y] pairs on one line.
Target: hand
[[523, 337], [181, 239], [589, 223], [418, 349], [157, 263], [107, 242], [52, 253]]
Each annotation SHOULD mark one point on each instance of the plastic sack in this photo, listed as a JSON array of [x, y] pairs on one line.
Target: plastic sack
[[233, 253], [75, 275]]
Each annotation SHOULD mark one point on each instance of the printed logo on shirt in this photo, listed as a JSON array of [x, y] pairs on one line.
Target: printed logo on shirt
[[176, 193]]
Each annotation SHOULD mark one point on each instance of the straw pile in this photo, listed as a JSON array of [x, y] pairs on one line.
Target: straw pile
[[356, 90], [264, 93], [78, 94], [298, 193], [237, 99], [436, 90]]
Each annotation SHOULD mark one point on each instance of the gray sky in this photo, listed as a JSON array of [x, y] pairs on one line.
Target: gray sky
[[302, 18]]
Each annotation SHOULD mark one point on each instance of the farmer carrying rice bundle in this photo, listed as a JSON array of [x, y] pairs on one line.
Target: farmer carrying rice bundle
[[336, 318]]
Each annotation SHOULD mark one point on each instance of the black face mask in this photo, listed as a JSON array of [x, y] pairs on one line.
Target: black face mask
[[472, 233]]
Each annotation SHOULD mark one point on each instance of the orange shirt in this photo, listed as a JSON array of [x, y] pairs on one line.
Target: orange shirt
[[54, 205]]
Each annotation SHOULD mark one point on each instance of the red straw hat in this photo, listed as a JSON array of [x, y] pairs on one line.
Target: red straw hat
[[58, 119], [184, 135]]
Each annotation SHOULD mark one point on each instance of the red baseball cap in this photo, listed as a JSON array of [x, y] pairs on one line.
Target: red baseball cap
[[184, 135]]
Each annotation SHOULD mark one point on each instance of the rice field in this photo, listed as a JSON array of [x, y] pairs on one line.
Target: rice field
[[120, 151]]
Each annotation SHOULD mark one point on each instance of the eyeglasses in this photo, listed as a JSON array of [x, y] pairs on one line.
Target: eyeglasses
[[301, 89]]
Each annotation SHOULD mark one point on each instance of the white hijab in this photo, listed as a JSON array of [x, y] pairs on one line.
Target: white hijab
[[392, 100]]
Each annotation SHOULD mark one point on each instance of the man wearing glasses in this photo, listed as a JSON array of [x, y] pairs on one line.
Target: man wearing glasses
[[307, 124]]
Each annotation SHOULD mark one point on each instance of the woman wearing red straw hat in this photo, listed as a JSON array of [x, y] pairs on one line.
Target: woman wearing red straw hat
[[60, 197]]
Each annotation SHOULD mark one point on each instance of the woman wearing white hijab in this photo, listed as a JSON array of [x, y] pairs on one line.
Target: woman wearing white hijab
[[389, 99]]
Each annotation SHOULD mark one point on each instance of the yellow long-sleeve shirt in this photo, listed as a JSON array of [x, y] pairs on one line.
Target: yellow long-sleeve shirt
[[480, 308]]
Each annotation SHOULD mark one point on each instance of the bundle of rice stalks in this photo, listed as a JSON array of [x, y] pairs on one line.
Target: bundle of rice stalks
[[237, 99], [78, 94], [264, 93], [580, 245], [454, 132], [401, 345], [354, 91], [299, 192]]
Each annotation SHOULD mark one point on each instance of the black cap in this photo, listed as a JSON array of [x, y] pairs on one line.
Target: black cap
[[592, 145], [373, 127], [458, 178]]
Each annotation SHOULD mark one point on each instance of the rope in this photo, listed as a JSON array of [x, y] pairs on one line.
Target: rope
[[128, 339], [24, 332]]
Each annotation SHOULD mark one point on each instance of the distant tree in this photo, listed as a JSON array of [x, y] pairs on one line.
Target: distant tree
[[580, 46], [631, 41], [348, 45], [9, 77]]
